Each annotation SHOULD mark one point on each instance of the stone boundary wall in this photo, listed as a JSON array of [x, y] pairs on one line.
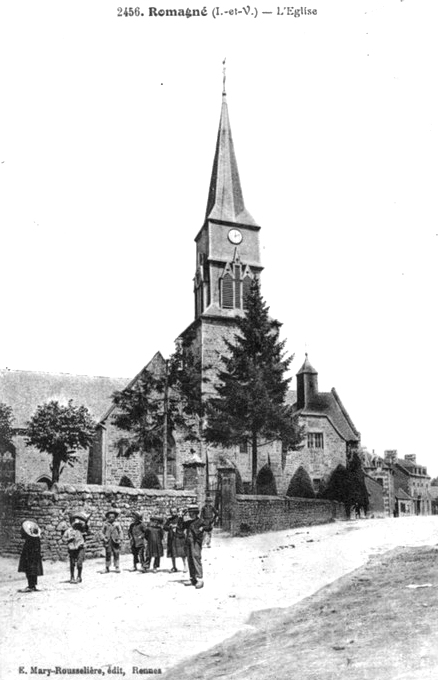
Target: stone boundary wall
[[257, 514], [50, 509]]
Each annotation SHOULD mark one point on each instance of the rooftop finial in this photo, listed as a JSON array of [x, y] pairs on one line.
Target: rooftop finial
[[224, 75]]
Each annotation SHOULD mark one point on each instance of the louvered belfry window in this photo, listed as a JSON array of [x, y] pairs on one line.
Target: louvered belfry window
[[237, 287], [246, 288], [227, 292]]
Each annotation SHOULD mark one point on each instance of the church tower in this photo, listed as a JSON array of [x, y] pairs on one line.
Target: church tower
[[227, 246], [227, 257]]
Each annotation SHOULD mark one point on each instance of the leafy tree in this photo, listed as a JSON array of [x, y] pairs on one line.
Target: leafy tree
[[6, 430], [265, 484], [300, 485], [160, 402], [250, 403], [434, 481], [60, 431]]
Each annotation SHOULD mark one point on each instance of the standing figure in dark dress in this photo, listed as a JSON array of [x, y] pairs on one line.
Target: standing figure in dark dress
[[154, 535], [194, 527], [136, 533], [176, 538], [30, 559]]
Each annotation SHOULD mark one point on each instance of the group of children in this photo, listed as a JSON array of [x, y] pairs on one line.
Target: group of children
[[186, 530]]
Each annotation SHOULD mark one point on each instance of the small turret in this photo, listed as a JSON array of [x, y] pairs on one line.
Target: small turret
[[307, 384]]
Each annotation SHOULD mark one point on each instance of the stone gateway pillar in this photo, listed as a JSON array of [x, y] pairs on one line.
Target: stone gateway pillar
[[228, 496], [194, 478]]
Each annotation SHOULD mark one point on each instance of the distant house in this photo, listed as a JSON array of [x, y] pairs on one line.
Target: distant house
[[412, 478], [433, 490], [405, 483], [378, 470]]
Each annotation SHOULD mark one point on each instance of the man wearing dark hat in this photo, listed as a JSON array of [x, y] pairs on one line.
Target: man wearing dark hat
[[75, 538], [112, 535], [194, 527], [136, 533], [154, 535]]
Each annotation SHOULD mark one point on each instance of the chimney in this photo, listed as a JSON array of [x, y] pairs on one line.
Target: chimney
[[390, 456], [411, 457]]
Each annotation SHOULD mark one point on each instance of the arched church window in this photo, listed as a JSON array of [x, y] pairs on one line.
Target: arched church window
[[227, 292], [246, 288], [125, 481]]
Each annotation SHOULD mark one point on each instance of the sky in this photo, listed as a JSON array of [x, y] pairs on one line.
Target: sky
[[108, 127]]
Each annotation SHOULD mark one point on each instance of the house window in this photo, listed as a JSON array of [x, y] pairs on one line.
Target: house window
[[243, 447], [316, 485], [315, 440]]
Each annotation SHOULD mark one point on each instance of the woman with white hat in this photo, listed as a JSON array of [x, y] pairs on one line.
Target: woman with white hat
[[30, 559]]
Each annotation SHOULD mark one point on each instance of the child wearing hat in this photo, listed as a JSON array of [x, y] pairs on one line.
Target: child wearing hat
[[75, 537], [30, 559], [136, 533], [154, 537], [112, 535]]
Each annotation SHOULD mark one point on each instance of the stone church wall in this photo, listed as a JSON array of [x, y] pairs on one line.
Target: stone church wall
[[50, 510], [31, 465]]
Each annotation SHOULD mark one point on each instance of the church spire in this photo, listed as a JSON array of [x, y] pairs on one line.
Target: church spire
[[225, 198]]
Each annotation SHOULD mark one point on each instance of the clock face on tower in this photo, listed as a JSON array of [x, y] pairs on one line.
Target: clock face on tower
[[235, 236]]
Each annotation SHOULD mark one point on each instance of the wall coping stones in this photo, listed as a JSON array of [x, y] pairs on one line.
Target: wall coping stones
[[91, 489], [279, 499]]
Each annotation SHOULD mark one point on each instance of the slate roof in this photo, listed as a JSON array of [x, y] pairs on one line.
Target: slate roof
[[401, 495], [408, 467], [156, 366], [328, 404], [225, 198], [25, 390]]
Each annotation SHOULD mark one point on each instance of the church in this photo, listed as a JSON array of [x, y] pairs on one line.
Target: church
[[227, 260]]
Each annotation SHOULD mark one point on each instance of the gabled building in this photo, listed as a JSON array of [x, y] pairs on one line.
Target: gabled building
[[380, 472], [411, 478], [405, 483], [330, 434]]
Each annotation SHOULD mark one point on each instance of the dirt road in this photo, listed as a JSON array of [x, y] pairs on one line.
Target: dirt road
[[120, 622]]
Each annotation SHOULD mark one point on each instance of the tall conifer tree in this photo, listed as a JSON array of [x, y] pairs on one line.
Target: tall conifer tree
[[251, 393]]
